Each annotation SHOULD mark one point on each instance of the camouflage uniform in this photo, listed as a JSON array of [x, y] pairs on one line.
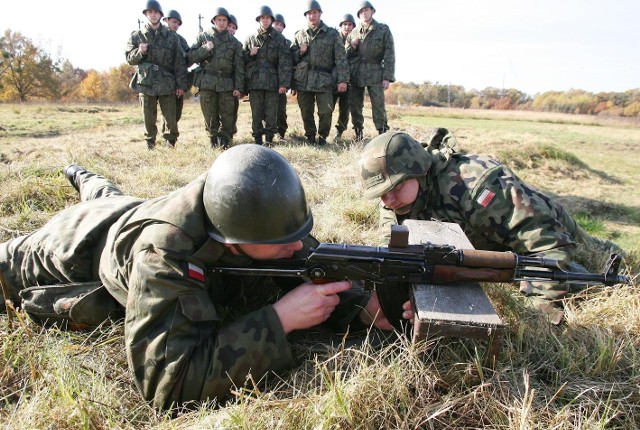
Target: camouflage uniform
[[266, 72], [222, 72], [154, 258], [316, 75], [343, 103], [281, 114], [160, 72], [184, 45], [372, 61], [494, 207]]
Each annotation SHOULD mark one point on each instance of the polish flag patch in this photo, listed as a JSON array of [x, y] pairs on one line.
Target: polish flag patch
[[485, 197], [195, 272]]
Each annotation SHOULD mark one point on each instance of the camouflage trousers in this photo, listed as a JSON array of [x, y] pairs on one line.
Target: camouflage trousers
[[263, 115], [342, 99], [218, 110], [307, 101], [356, 107], [149, 106], [67, 248], [179, 107], [282, 114]]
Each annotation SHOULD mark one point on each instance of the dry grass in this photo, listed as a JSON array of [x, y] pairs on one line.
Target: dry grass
[[584, 374]]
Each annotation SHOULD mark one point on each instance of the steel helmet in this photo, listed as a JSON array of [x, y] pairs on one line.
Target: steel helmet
[[265, 10], [220, 11], [363, 5], [280, 18], [348, 18], [173, 14], [152, 5], [389, 159], [253, 195], [233, 20], [313, 5]]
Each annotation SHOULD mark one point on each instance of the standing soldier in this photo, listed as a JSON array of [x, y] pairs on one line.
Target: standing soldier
[[346, 25], [372, 57], [174, 21], [279, 24], [219, 79], [321, 63], [268, 73], [161, 73], [232, 27]]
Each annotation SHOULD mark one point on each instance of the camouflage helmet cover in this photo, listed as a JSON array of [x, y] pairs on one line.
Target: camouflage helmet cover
[[152, 5], [173, 14], [220, 11], [280, 18], [363, 5], [265, 10], [253, 195], [389, 159], [312, 5]]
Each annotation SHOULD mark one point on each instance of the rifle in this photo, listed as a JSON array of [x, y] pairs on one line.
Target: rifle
[[200, 22], [393, 269]]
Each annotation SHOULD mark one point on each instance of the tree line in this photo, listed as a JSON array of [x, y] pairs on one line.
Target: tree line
[[29, 73]]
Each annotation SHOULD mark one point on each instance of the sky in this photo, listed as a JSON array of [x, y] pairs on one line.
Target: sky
[[533, 46]]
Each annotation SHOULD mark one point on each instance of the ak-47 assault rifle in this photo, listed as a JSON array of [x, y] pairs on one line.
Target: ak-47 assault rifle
[[393, 269]]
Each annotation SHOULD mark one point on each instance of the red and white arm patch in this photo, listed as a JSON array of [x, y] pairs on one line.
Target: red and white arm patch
[[195, 272], [485, 197]]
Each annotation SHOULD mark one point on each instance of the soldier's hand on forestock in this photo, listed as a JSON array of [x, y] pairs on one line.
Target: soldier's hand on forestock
[[342, 87], [254, 51], [282, 90], [179, 93], [372, 314], [209, 45], [144, 47], [308, 304], [303, 48]]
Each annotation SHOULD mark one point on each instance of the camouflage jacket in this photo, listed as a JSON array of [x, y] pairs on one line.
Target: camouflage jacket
[[373, 60], [156, 262], [494, 207], [223, 67], [271, 67], [162, 69], [324, 64]]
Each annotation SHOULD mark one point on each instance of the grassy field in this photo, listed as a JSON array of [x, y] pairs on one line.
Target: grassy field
[[583, 374]]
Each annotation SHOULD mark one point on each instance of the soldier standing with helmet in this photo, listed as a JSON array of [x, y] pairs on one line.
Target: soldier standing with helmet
[[219, 78], [372, 58], [161, 73], [154, 260], [232, 27], [320, 64], [268, 73], [346, 25], [174, 21], [279, 24]]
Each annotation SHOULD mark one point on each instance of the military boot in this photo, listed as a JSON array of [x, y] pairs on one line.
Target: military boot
[[338, 137], [70, 172], [359, 135], [171, 143], [214, 141], [322, 141], [311, 140], [268, 139], [151, 144], [224, 142], [258, 139]]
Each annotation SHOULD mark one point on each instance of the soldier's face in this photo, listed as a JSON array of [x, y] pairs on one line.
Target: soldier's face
[[153, 16], [265, 22], [221, 22], [365, 14], [313, 17], [278, 26], [402, 196], [231, 27], [267, 252], [346, 27], [173, 24]]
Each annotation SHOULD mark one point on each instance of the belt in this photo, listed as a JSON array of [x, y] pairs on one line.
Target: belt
[[321, 69], [218, 73]]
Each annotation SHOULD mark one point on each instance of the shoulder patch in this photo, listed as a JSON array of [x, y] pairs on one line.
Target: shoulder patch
[[485, 197], [195, 272]]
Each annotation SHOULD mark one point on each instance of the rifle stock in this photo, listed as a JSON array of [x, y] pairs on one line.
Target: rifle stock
[[393, 269]]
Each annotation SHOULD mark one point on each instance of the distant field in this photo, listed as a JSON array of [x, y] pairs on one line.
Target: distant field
[[584, 374]]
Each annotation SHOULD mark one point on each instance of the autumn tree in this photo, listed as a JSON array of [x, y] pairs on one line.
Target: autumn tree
[[69, 79], [93, 87], [28, 71], [117, 79]]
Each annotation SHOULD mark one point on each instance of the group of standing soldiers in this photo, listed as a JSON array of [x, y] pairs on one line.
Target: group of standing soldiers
[[322, 66]]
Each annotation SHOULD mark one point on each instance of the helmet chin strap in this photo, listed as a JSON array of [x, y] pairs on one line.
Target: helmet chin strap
[[238, 249]]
